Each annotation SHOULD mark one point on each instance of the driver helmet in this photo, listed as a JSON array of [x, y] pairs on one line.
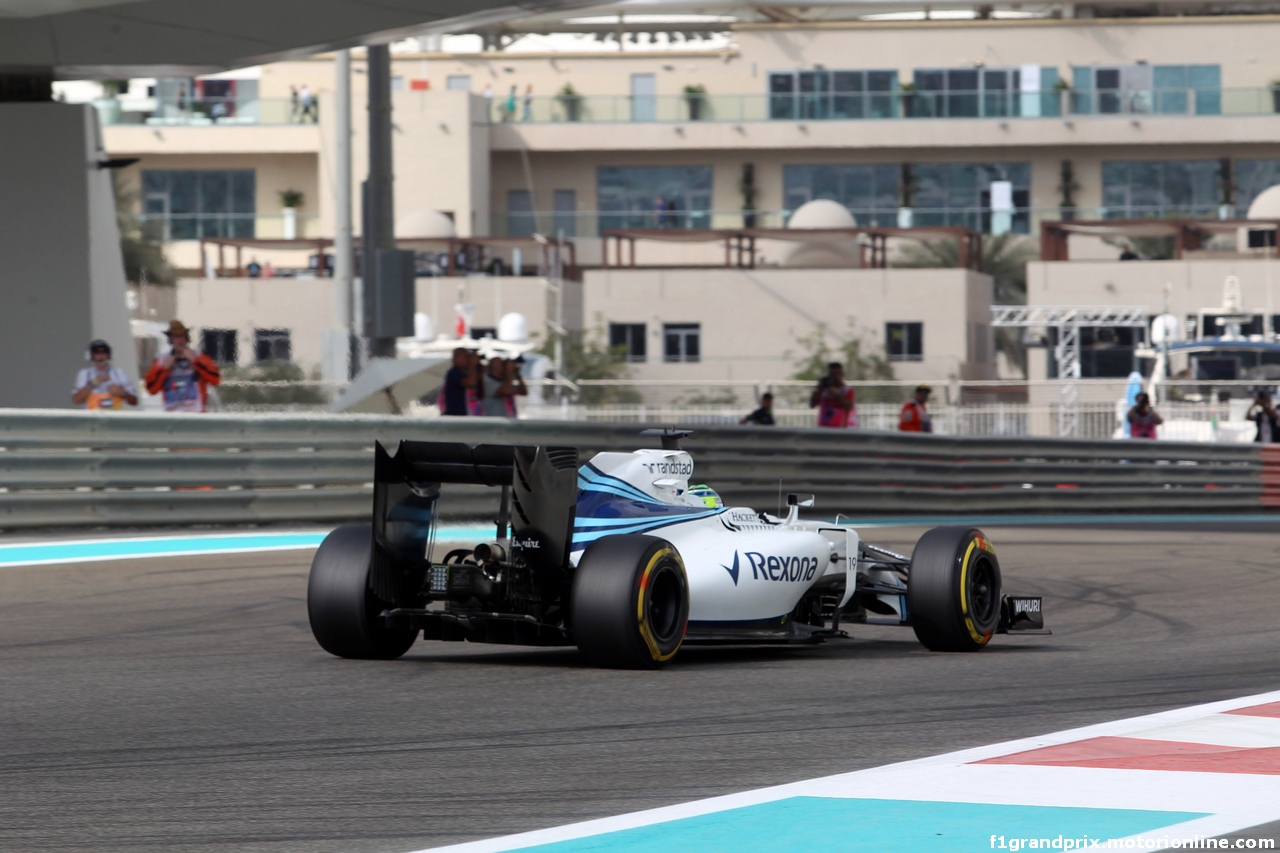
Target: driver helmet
[[705, 495]]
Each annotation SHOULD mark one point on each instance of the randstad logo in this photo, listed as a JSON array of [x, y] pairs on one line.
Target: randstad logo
[[771, 568]]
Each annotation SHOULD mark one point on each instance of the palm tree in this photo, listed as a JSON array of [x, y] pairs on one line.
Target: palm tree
[[1004, 258]]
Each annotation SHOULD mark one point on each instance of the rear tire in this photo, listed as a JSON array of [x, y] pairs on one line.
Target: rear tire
[[630, 604], [342, 609], [953, 589]]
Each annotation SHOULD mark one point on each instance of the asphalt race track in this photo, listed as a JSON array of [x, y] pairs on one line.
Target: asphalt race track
[[181, 703]]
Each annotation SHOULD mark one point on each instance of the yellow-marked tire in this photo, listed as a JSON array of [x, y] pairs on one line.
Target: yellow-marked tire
[[630, 602], [953, 589]]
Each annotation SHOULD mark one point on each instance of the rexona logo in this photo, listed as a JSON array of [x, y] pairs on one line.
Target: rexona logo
[[685, 468], [771, 568]]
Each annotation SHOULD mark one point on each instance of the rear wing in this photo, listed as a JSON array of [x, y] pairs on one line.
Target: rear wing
[[538, 500]]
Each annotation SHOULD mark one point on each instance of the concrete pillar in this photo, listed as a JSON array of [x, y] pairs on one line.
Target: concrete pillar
[[61, 270]]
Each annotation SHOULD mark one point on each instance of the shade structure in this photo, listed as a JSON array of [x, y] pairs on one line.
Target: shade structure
[[387, 386]]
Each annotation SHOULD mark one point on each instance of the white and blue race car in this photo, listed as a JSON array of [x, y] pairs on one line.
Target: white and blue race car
[[626, 559]]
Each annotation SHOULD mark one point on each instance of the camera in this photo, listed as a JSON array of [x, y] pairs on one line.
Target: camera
[[826, 382]]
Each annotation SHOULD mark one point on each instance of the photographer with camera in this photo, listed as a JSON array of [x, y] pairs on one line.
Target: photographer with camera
[[502, 384], [182, 374], [834, 400]]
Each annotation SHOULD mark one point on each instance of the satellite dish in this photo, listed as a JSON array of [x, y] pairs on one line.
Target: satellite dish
[[1166, 327], [513, 328]]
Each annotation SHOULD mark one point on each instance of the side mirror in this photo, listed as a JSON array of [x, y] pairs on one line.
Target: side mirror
[[799, 500]]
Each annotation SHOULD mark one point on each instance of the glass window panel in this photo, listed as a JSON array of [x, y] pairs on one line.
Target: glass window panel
[[1107, 78], [215, 195], [653, 196], [183, 197], [931, 81], [782, 104], [243, 191], [520, 218], [882, 81], [1204, 76], [962, 80], [1170, 77], [155, 181]]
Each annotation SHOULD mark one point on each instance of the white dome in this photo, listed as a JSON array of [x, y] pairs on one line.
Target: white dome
[[1266, 205], [822, 213], [513, 328], [426, 223]]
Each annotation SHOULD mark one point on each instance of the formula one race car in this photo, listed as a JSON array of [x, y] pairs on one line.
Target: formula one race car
[[626, 560]]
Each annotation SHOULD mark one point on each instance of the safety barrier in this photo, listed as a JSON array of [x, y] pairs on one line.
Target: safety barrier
[[75, 469]]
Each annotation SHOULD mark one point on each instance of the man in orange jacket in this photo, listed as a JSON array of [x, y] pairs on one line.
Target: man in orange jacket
[[914, 416], [182, 374]]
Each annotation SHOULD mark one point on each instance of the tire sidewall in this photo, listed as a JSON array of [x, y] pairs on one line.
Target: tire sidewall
[[940, 589], [630, 601]]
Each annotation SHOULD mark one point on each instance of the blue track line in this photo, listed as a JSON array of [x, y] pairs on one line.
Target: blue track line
[[89, 550]]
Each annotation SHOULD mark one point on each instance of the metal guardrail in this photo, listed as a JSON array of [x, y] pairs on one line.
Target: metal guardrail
[[76, 469]]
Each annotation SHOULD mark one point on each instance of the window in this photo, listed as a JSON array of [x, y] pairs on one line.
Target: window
[[1137, 189], [565, 207], [987, 92], [271, 345], [832, 94], [1252, 177], [1168, 89], [219, 345], [458, 82], [870, 192], [520, 219], [681, 342], [653, 196], [904, 341], [629, 337], [191, 204], [960, 194]]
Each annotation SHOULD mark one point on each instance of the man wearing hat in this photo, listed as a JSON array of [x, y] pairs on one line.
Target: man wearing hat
[[914, 416], [182, 374], [103, 386]]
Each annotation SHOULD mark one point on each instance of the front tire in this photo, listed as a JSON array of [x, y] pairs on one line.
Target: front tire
[[630, 603], [953, 589], [342, 609]]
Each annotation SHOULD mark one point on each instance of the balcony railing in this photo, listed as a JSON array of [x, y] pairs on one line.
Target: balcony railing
[[859, 106], [219, 112], [1023, 220], [261, 226]]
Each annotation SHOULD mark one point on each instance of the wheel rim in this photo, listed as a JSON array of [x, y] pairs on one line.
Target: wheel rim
[[664, 605], [981, 590]]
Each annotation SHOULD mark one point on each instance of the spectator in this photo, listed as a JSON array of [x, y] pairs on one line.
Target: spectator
[[914, 416], [502, 383], [294, 111], [762, 416], [1143, 419], [308, 103], [103, 386], [457, 381], [254, 268], [661, 213], [509, 108], [834, 400], [1263, 413], [182, 374], [527, 112], [1128, 254]]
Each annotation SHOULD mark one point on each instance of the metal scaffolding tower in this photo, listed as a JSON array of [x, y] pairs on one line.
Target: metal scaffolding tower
[[1068, 321]]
